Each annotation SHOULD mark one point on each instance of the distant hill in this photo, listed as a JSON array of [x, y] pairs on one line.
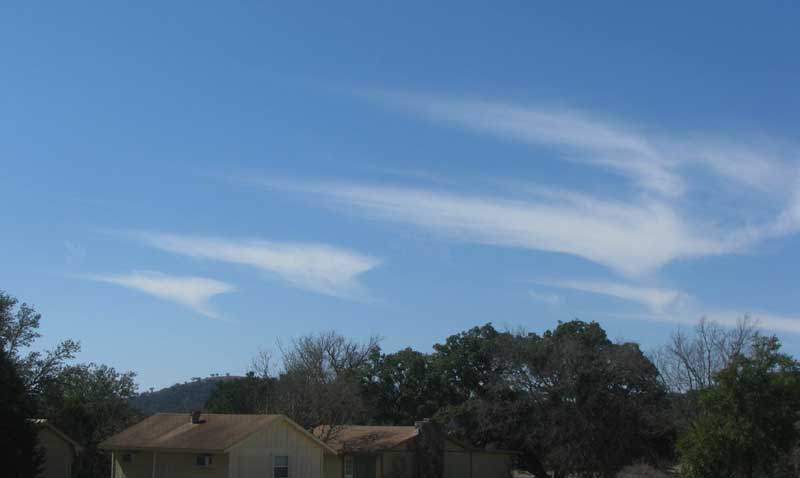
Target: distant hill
[[181, 397]]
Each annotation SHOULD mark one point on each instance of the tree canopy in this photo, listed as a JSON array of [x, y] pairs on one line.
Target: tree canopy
[[19, 329], [574, 402], [89, 402], [570, 399], [747, 421]]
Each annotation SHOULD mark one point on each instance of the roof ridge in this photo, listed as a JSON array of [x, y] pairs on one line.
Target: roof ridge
[[371, 426], [222, 414]]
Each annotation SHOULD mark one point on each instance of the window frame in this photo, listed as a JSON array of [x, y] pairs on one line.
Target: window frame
[[208, 460], [349, 462], [276, 466]]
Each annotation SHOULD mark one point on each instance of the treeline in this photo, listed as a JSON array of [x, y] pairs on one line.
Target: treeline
[[180, 397], [718, 402], [87, 401], [571, 400]]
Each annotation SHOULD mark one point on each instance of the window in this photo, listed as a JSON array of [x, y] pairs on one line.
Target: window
[[204, 460], [280, 467], [129, 458], [348, 467]]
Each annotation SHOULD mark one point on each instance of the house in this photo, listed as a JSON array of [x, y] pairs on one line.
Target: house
[[59, 450], [273, 446], [216, 446], [396, 452]]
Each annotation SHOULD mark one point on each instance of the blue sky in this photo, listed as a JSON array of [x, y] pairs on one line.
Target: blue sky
[[184, 184]]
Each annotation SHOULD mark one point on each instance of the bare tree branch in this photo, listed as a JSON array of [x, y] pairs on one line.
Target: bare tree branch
[[690, 362]]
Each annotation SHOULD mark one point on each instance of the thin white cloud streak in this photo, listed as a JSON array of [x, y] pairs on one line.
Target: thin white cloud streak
[[663, 167], [775, 322], [608, 146], [192, 292], [760, 166], [690, 316], [630, 238], [654, 162], [671, 306], [315, 267], [545, 297], [655, 299], [789, 220]]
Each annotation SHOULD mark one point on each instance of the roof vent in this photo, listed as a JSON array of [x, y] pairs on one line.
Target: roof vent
[[195, 417]]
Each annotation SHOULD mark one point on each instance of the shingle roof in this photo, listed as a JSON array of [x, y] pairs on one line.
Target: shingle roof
[[174, 431], [360, 439]]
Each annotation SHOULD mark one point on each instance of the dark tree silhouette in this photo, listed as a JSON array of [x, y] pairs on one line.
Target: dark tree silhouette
[[19, 451]]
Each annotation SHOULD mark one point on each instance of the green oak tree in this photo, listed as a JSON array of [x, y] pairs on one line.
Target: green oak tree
[[250, 394], [19, 329], [572, 400], [747, 421], [403, 388], [89, 403]]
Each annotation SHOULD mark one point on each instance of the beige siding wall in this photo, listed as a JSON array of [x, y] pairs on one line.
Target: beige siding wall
[[452, 446], [58, 455], [333, 466], [491, 465], [169, 465], [254, 457], [398, 464], [456, 464]]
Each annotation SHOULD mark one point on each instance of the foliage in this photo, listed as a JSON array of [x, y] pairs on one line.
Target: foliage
[[244, 395], [746, 424], [403, 388], [90, 403], [181, 397], [572, 400], [19, 451], [19, 329], [468, 362], [321, 383]]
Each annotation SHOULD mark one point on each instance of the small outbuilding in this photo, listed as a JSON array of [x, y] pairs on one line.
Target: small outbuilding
[[59, 450]]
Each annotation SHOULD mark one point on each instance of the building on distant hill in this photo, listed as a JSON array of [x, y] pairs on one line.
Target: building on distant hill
[[59, 450], [273, 446]]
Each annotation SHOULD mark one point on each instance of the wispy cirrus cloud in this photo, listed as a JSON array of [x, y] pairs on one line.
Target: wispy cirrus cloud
[[580, 137], [672, 306], [545, 297], [691, 314], [629, 238], [319, 268], [656, 163], [656, 223], [668, 305], [655, 299], [188, 291]]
